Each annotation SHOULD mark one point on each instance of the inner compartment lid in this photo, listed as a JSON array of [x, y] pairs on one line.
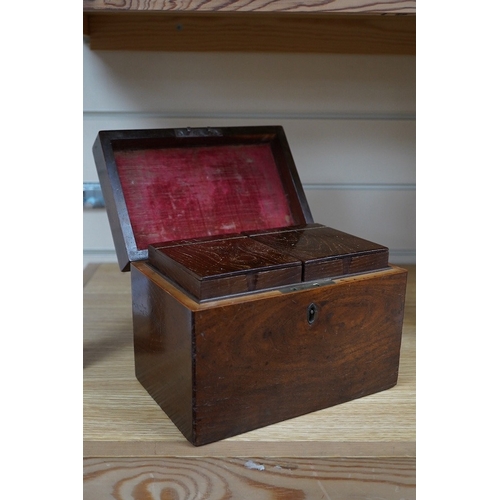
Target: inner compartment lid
[[224, 265], [326, 252], [166, 185]]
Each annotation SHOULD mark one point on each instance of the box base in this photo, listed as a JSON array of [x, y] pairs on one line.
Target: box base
[[228, 366]]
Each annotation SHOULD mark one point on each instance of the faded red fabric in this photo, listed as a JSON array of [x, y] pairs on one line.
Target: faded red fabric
[[178, 193]]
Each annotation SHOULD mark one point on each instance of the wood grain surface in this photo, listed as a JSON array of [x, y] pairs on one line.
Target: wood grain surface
[[225, 266], [255, 478], [346, 6], [326, 252], [251, 32], [262, 361]]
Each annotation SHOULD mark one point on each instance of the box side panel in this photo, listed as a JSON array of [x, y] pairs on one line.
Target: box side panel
[[163, 348], [262, 362]]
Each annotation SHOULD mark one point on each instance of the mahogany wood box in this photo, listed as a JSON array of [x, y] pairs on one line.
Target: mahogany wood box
[[245, 311]]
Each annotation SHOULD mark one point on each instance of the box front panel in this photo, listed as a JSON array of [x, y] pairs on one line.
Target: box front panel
[[264, 361]]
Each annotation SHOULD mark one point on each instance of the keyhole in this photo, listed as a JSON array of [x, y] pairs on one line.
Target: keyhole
[[312, 311]]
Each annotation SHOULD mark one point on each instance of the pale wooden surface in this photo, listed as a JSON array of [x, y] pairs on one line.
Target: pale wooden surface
[[259, 479], [364, 449], [308, 6]]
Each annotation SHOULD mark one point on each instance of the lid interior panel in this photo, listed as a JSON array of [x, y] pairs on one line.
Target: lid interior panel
[[175, 193], [167, 185]]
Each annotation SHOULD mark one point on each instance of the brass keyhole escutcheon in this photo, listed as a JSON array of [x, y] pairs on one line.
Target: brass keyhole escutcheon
[[312, 313]]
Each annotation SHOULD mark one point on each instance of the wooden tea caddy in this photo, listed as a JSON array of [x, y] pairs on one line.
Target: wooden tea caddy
[[245, 312]]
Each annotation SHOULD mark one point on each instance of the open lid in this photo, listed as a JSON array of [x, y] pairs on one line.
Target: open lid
[[164, 185]]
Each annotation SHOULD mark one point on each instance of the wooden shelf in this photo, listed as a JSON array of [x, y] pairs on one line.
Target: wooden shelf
[[364, 448], [348, 26]]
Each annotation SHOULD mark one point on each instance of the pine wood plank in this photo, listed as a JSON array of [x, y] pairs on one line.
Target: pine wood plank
[[120, 419], [260, 478], [252, 32], [385, 7]]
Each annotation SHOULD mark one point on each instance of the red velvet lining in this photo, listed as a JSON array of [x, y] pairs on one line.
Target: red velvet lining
[[178, 193]]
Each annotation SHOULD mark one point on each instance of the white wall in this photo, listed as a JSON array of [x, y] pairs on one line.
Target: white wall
[[349, 119]]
